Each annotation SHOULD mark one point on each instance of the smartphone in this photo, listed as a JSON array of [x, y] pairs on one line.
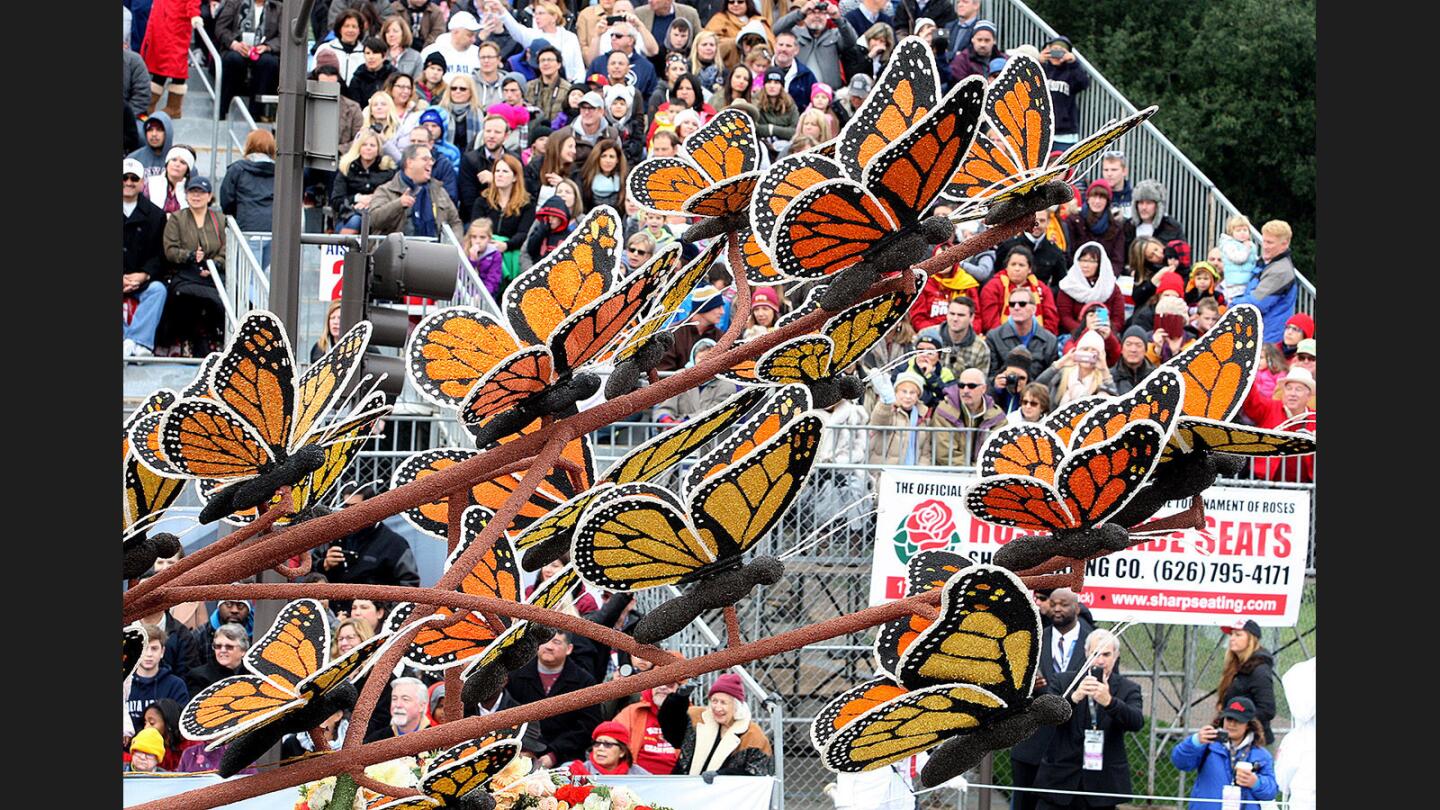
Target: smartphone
[[1102, 313], [1098, 673], [615, 18]]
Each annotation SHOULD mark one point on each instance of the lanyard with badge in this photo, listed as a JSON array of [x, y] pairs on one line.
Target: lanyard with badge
[[1094, 741], [1230, 794]]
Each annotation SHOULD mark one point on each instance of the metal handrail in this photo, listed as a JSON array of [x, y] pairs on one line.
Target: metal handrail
[[214, 91], [244, 271], [224, 298], [1013, 18], [237, 103]]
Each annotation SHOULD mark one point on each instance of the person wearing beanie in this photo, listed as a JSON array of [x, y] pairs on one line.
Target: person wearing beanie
[[1097, 222], [1248, 674], [708, 309], [1215, 752], [167, 189], [895, 446], [1273, 287], [1205, 282], [146, 750], [609, 754], [1294, 410], [1148, 217], [1133, 365], [1066, 80], [977, 58], [764, 312], [1082, 372], [777, 114], [1297, 328], [719, 737], [431, 82]]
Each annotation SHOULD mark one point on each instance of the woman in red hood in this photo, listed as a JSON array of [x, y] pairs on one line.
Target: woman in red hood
[[642, 720], [1299, 327]]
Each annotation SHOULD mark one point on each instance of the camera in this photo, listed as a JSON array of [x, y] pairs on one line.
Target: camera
[[1057, 53], [1012, 382], [615, 18], [1098, 673]]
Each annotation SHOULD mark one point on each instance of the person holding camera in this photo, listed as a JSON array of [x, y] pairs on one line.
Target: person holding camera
[[1080, 373], [824, 36], [1066, 79], [374, 555], [1087, 753], [1229, 759]]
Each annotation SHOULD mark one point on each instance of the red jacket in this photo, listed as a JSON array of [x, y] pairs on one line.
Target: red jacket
[[166, 49], [995, 304], [647, 744], [1072, 312], [933, 302], [1270, 413]]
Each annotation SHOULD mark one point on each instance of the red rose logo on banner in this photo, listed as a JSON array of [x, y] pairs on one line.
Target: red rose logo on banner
[[929, 527]]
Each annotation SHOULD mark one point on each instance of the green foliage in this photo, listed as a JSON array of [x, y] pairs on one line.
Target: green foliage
[[1235, 81]]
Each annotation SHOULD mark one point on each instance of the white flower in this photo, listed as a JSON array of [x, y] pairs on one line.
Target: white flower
[[398, 772]]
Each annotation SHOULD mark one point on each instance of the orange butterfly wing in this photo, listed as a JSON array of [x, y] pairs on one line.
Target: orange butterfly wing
[[433, 517], [256, 378], [783, 183], [452, 349], [1063, 421], [521, 376], [828, 228], [1018, 104], [1097, 481], [905, 92], [202, 438], [1158, 398], [665, 183], [591, 332], [1029, 450], [579, 271], [1220, 367], [725, 147], [910, 173], [726, 197], [1011, 500], [987, 166]]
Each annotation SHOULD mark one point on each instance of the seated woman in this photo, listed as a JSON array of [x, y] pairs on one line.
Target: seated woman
[[194, 236], [718, 738], [609, 753]]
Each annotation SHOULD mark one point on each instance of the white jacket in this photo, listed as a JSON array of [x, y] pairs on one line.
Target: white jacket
[[1295, 769]]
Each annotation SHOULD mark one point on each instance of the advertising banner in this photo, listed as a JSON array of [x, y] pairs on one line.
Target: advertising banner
[[1249, 561]]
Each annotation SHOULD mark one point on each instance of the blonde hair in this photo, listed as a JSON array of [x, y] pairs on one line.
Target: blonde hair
[[695, 66], [391, 124], [554, 9], [382, 160], [474, 103], [1238, 219], [817, 117], [476, 225], [324, 341], [361, 627], [1233, 660], [1277, 227]]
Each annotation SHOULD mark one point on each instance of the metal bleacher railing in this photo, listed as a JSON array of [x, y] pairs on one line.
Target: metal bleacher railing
[[1193, 198], [212, 89]]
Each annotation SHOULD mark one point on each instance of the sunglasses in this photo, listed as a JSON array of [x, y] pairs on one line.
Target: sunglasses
[[969, 386], [224, 646], [1030, 402], [605, 744], [640, 251], [134, 177], [1019, 303]]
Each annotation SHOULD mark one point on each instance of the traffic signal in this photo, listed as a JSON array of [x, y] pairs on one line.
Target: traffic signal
[[396, 268]]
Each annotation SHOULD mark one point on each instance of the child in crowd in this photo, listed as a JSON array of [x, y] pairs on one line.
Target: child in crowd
[[1205, 282], [654, 226], [484, 255], [1239, 253], [764, 311]]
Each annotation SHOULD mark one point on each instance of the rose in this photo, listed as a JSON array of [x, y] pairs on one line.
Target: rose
[[534, 789], [548, 803], [930, 526]]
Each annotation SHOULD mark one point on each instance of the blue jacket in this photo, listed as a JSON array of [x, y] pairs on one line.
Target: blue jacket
[[1273, 288], [1213, 762], [800, 85], [645, 78], [144, 691], [447, 158]]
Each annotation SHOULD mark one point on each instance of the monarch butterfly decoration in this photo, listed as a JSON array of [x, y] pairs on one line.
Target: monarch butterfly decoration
[[1033, 480], [290, 685], [1016, 163], [863, 212], [926, 571], [456, 777], [133, 639], [640, 535], [965, 680], [485, 674], [819, 361], [545, 540], [560, 315], [146, 495], [256, 428]]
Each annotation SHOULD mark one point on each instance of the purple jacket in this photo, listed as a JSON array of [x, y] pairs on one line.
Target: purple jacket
[[488, 268]]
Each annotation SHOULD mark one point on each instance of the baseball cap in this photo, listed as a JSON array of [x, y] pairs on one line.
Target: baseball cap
[[1306, 346], [1239, 708], [201, 183], [464, 19], [996, 65], [1249, 625], [593, 99], [135, 167], [860, 85]]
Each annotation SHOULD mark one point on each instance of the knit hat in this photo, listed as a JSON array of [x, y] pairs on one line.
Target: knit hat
[[1204, 267], [615, 731], [432, 116], [149, 741], [1171, 305], [730, 683], [765, 297], [1299, 374], [1170, 281], [1249, 625], [1100, 186], [537, 45], [705, 299], [1059, 38], [933, 338], [775, 75], [1092, 340], [912, 378], [181, 153], [1019, 357], [996, 65], [821, 89], [985, 25], [435, 58], [327, 56], [437, 694], [1239, 708], [1306, 346], [1299, 320], [1136, 332], [539, 130]]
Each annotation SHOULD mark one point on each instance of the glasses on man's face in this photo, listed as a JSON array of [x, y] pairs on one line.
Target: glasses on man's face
[[218, 647], [488, 56], [638, 251], [1019, 303], [969, 386], [133, 178]]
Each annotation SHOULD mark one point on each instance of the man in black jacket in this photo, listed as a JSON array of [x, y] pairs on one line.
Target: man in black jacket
[[1061, 655], [1132, 367], [552, 673], [371, 556], [140, 259], [1065, 79], [1104, 709], [1050, 265]]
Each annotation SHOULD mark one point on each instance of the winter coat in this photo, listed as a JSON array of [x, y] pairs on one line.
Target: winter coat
[[969, 351], [568, 734], [375, 555], [1114, 240], [144, 691], [248, 193], [1127, 378], [552, 224], [1266, 412], [1032, 749], [933, 302], [942, 12], [819, 51], [1051, 261], [1255, 679], [513, 227], [967, 63], [358, 180], [1062, 766], [1065, 81], [648, 745], [888, 447], [204, 635], [995, 303], [549, 100], [471, 164], [364, 82], [644, 78], [1295, 762], [166, 49], [1239, 260], [432, 21], [199, 677], [961, 447], [142, 248], [1112, 341], [388, 215], [1072, 308], [181, 238], [728, 28], [230, 20], [1273, 289], [154, 159], [490, 268], [135, 85], [1043, 347], [743, 750], [1214, 770], [352, 118]]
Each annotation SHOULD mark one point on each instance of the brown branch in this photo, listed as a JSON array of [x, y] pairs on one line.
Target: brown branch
[[740, 307], [732, 626], [1191, 518], [986, 239], [384, 788]]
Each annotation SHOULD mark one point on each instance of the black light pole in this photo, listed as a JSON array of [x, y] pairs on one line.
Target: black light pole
[[289, 169]]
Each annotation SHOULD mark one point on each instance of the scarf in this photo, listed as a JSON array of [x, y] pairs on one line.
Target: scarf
[[1082, 289], [172, 202], [422, 215], [912, 440], [460, 116], [589, 765], [1098, 224]]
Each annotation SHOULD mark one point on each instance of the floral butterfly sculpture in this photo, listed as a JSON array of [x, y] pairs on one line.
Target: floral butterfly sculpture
[[864, 214], [1035, 479], [146, 496], [639, 535], [132, 645], [486, 673], [1016, 163], [290, 686], [456, 777], [965, 680], [255, 427]]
